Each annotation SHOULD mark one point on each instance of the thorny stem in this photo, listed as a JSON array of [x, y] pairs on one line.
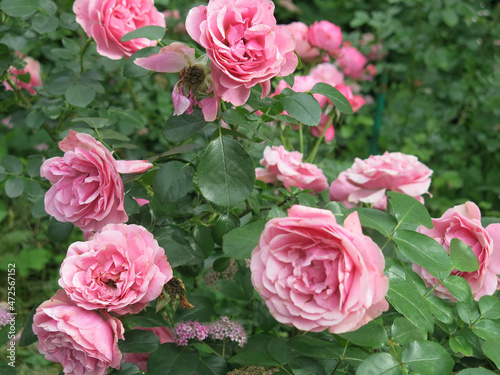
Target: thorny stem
[[341, 358], [18, 91], [391, 344]]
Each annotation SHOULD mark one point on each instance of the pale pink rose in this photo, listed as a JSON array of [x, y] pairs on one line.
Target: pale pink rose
[[315, 274], [368, 180], [287, 167], [194, 78], [325, 35], [356, 101], [33, 68], [304, 49], [464, 222], [108, 20], [87, 189], [317, 131], [352, 62], [327, 73], [141, 359], [82, 341], [244, 44], [121, 269]]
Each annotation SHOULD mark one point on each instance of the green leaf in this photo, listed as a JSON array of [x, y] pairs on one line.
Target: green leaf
[[14, 187], [127, 368], [59, 232], [306, 366], [93, 122], [203, 238], [170, 359], [251, 358], [48, 6], [440, 310], [315, 348], [338, 210], [491, 348], [43, 23], [221, 264], [240, 242], [405, 297], [459, 344], [131, 70], [212, 365], [3, 173], [226, 173], [224, 224], [12, 164], [113, 134], [279, 350], [173, 181], [403, 331], [459, 287], [179, 128], [468, 311], [476, 371], [35, 119], [139, 341], [427, 357], [424, 251], [19, 8], [178, 247], [372, 334], [130, 117], [490, 307], [450, 17], [80, 95], [33, 168], [379, 364], [234, 117], [303, 107], [148, 32], [462, 256], [336, 97], [379, 220], [487, 329], [28, 337], [408, 210]]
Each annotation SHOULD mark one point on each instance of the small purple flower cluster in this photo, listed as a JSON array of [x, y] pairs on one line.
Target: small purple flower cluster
[[224, 328], [189, 330]]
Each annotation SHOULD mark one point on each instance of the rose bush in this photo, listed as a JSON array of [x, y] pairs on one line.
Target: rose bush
[[82, 341], [87, 188], [315, 274], [244, 44], [368, 180], [325, 35], [108, 20], [141, 359], [464, 222], [121, 269], [32, 68]]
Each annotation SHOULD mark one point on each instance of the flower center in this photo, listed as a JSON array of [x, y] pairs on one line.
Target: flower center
[[192, 77]]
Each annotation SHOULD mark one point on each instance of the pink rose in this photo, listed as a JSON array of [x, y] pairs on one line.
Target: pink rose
[[317, 131], [244, 45], [87, 189], [304, 49], [108, 20], [327, 73], [83, 342], [141, 359], [315, 274], [287, 167], [33, 68], [368, 180], [325, 35], [121, 269], [355, 101], [352, 62], [464, 222]]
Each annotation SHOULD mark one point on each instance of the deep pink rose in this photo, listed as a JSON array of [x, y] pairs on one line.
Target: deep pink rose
[[244, 44], [356, 101], [352, 62], [464, 222], [82, 341], [87, 189], [315, 274], [141, 359], [368, 180], [327, 73], [121, 269], [325, 35], [287, 167], [33, 68], [304, 49], [108, 20]]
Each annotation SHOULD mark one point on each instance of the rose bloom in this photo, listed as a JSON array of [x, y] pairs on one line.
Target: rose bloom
[[108, 20], [317, 131], [327, 73], [368, 180], [304, 49], [141, 359], [287, 167], [464, 222], [33, 68], [244, 44], [83, 342], [325, 35], [315, 274], [121, 269], [352, 62], [87, 189], [356, 101]]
